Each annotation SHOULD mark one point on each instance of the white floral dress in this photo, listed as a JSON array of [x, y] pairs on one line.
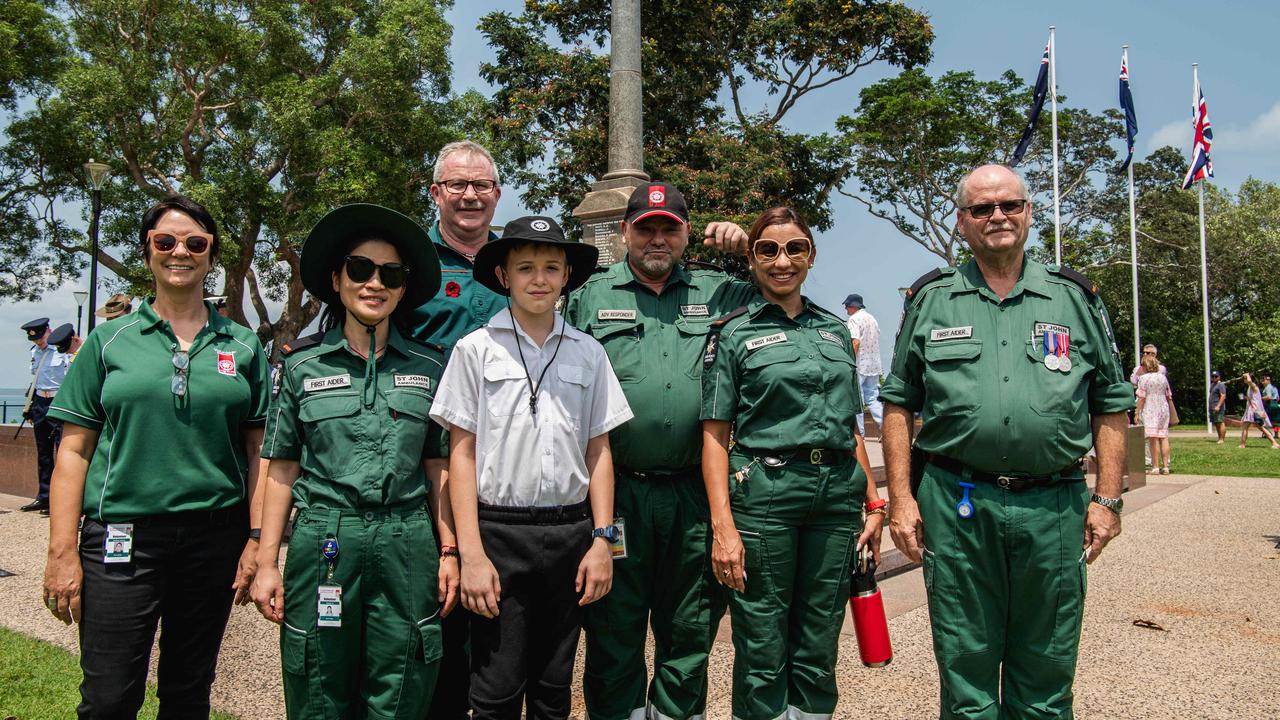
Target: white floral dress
[[1155, 411]]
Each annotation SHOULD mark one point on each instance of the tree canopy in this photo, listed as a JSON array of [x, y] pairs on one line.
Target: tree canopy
[[267, 112]]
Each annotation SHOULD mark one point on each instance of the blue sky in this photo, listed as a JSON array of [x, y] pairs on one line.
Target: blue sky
[[862, 254]]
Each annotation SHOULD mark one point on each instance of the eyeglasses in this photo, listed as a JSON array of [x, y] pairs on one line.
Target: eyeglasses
[[458, 187], [195, 242], [181, 361], [360, 269], [986, 210], [798, 249]]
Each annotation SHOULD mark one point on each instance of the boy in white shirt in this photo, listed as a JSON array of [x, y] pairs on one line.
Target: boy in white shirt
[[529, 403]]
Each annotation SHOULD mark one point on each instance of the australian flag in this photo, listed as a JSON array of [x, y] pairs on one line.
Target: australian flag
[[1201, 165], [1126, 104], [1037, 104]]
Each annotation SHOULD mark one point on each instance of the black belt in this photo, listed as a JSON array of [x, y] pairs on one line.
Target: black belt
[[809, 456], [236, 514], [540, 515], [1016, 482], [693, 471]]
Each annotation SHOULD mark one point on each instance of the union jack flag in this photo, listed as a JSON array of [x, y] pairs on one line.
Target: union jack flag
[[1201, 165]]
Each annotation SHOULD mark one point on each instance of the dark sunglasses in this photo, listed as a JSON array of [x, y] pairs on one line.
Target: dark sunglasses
[[360, 269], [986, 210], [798, 249], [197, 242]]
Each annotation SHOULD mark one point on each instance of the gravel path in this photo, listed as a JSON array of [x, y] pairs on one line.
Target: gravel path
[[1202, 563]]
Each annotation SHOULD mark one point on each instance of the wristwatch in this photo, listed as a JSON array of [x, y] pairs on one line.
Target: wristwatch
[[255, 533], [609, 533], [1115, 505]]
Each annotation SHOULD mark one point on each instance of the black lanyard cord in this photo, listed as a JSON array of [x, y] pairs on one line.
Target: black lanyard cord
[[533, 389]]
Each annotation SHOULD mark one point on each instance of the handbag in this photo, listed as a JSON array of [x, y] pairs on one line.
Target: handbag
[[1173, 414]]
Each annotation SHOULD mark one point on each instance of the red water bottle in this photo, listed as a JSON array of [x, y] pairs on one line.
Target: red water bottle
[[867, 606]]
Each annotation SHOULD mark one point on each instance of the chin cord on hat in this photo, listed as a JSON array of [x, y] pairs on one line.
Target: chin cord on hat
[[533, 389], [370, 392]]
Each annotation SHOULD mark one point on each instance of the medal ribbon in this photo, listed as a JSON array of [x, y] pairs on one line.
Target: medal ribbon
[[1048, 344], [1064, 344]]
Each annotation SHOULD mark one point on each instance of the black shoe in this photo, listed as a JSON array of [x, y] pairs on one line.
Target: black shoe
[[35, 505], [44, 512]]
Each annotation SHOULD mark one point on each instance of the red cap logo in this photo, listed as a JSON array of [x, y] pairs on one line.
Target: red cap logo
[[227, 363], [657, 196]]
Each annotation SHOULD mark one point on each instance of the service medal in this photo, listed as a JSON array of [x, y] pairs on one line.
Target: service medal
[[1053, 362], [1064, 364]]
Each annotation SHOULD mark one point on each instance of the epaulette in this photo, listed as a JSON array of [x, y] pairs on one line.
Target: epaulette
[[713, 335], [1076, 277], [696, 264], [929, 277], [600, 269], [302, 343]]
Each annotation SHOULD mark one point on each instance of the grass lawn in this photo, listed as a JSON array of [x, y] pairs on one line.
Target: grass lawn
[[39, 680], [1197, 454]]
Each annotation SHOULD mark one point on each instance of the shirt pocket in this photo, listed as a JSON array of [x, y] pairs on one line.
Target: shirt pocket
[[775, 382], [693, 340], [575, 394], [839, 372], [1056, 390], [410, 419], [330, 430], [951, 376], [506, 389], [621, 341]]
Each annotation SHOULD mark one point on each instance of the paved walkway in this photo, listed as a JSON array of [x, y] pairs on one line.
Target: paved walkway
[[1199, 556]]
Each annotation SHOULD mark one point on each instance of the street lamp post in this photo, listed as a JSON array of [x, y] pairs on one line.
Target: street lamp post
[[80, 296], [97, 175]]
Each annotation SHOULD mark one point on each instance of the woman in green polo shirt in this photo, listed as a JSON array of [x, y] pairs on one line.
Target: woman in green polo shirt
[[163, 413], [787, 500], [349, 440]]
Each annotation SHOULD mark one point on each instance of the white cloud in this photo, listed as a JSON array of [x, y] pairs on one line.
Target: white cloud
[[1260, 135]]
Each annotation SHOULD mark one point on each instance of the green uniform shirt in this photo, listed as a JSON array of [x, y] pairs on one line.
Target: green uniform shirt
[[159, 453], [973, 366], [356, 449], [785, 382], [460, 306], [655, 342]]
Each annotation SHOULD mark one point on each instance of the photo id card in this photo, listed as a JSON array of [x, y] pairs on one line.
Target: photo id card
[[329, 606], [118, 546], [619, 547]]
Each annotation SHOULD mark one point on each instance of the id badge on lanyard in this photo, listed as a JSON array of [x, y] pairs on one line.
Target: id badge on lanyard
[[118, 545], [329, 593]]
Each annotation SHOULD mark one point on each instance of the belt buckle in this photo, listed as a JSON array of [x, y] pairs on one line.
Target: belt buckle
[[773, 461], [815, 456], [1003, 481]]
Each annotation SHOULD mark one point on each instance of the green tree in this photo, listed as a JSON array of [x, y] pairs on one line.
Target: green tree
[[913, 137], [32, 48], [552, 96], [267, 112]]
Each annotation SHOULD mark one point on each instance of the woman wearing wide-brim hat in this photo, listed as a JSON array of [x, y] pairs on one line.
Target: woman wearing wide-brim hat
[[349, 440]]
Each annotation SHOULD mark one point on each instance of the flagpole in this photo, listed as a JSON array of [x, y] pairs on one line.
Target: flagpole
[[1133, 245], [1053, 95], [1204, 264]]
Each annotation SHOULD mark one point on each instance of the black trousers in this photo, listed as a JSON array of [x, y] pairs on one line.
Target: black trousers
[[451, 700], [180, 577], [523, 659], [48, 432]]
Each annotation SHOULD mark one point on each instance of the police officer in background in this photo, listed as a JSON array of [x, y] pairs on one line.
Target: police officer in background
[[1015, 373], [48, 368], [652, 316]]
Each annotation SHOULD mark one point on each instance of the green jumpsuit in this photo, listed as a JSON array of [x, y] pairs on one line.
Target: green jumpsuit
[[360, 430], [655, 343], [790, 386], [1006, 584]]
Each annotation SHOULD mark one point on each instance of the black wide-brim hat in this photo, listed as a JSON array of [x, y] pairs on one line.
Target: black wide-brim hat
[[330, 236], [581, 257]]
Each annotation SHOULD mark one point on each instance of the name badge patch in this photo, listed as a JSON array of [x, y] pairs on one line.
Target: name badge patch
[[417, 381], [760, 342], [603, 315], [954, 333], [327, 383], [227, 363], [828, 335], [1041, 327], [695, 311]]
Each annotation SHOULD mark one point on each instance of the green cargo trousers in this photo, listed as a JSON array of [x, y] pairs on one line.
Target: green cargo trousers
[[799, 525], [382, 662], [1006, 595], [664, 582]]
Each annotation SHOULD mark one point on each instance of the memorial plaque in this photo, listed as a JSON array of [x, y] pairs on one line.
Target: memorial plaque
[[606, 235]]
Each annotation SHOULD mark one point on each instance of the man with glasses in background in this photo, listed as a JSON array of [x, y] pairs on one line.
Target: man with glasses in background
[[1014, 370]]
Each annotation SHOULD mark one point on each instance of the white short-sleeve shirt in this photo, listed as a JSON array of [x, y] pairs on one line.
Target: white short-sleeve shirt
[[527, 459], [864, 328]]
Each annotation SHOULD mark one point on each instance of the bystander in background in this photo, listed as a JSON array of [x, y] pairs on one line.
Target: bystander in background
[[1255, 413], [1154, 401], [1218, 406]]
